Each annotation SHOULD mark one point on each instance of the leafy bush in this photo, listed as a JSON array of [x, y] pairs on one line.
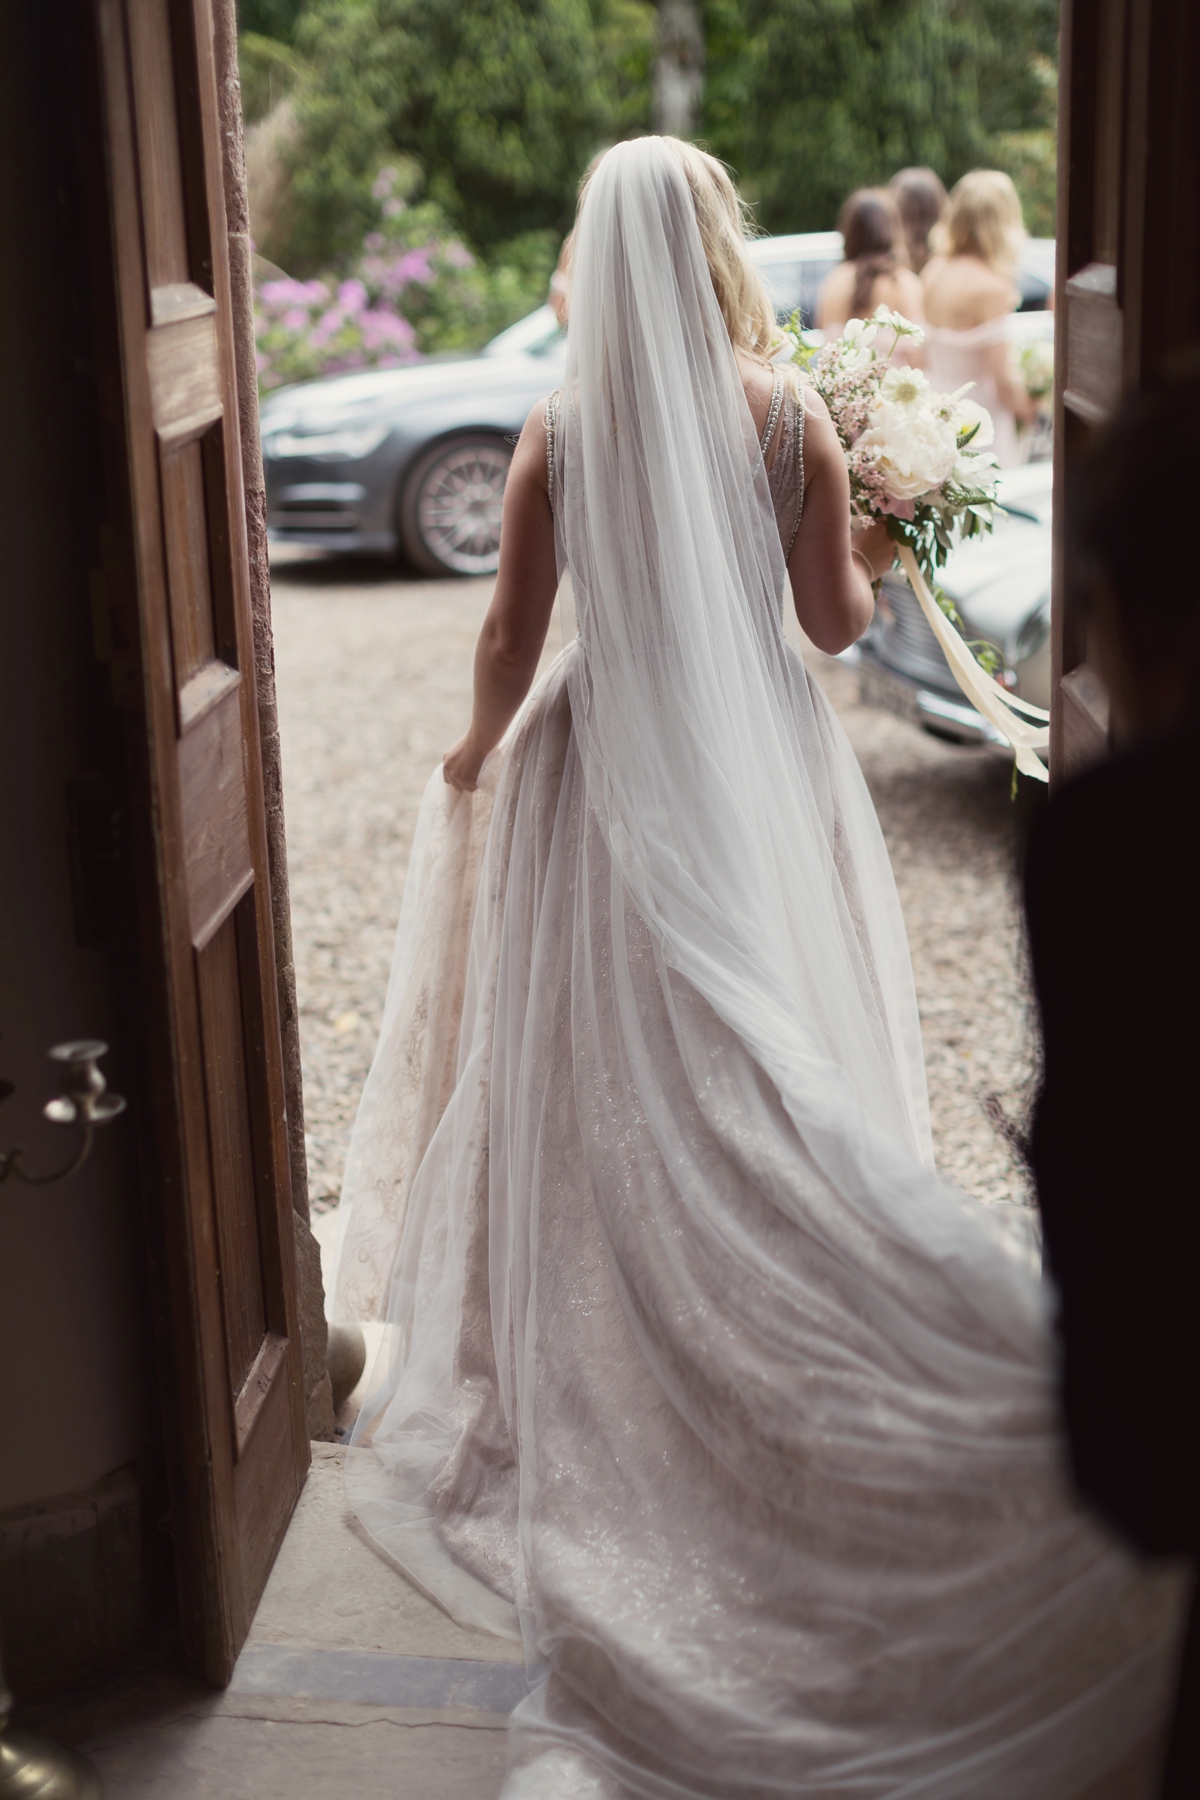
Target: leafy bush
[[1031, 156], [809, 99], [414, 290], [501, 103]]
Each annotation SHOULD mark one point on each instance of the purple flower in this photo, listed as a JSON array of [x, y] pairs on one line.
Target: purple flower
[[352, 295], [414, 266], [386, 329], [293, 293]]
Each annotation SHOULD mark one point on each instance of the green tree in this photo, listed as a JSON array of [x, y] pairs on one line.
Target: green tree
[[1030, 155], [269, 18], [500, 102], [813, 98], [625, 33]]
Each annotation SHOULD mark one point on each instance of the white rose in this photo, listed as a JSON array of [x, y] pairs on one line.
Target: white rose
[[918, 451]]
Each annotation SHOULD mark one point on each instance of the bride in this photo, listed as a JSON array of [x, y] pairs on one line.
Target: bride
[[696, 1375]]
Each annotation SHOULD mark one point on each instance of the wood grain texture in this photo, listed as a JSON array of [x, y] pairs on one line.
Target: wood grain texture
[[1084, 717], [232, 1152], [266, 1485], [189, 578], [207, 687], [1128, 281], [185, 378], [159, 165], [178, 300], [216, 837], [1094, 343], [255, 1389]]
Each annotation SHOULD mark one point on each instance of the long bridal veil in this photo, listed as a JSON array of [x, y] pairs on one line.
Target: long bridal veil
[[696, 1371]]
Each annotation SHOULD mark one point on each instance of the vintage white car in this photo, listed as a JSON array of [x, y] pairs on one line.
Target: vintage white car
[[1001, 587]]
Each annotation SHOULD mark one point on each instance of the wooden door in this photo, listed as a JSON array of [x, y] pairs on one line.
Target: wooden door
[[183, 658], [1128, 297]]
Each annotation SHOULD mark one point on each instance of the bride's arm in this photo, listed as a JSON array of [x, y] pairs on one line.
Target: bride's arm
[[514, 631], [831, 583]]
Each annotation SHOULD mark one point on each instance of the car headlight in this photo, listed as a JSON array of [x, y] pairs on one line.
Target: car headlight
[[347, 445]]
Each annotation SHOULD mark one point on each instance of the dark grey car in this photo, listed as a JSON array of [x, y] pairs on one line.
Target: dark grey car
[[417, 458], [413, 456]]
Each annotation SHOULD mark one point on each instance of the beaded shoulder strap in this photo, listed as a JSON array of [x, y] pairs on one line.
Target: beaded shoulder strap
[[798, 459], [551, 435], [773, 414]]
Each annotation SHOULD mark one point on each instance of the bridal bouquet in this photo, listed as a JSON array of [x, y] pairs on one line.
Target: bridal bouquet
[[920, 460], [916, 458]]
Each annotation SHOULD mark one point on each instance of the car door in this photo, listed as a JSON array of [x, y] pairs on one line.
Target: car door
[[173, 620]]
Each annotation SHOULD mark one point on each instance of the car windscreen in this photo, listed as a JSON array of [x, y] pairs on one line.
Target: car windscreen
[[1035, 293], [793, 285]]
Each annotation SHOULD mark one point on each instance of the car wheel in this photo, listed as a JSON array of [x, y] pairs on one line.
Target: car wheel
[[451, 505]]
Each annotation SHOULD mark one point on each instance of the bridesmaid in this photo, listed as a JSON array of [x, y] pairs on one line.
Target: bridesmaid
[[875, 269], [969, 297], [921, 200]]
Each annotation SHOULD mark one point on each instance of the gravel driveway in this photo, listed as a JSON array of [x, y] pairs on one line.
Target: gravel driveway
[[374, 677]]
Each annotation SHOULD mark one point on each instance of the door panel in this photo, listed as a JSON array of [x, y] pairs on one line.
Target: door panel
[[213, 800], [235, 1412], [1128, 269]]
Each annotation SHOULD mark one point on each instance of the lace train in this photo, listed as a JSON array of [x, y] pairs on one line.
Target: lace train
[[769, 1475]]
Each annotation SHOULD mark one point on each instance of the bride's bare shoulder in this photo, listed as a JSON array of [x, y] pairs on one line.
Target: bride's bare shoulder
[[758, 385], [530, 458], [821, 442], [814, 406]]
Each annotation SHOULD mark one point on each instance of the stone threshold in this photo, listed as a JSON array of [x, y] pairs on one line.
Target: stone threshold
[[436, 1684]]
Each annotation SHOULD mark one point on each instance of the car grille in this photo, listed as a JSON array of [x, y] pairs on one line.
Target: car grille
[[904, 641], [309, 515]]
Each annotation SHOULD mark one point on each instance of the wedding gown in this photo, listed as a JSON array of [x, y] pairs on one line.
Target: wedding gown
[[696, 1374]]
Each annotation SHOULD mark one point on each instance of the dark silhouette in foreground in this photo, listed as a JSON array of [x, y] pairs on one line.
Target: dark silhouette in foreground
[[1111, 906]]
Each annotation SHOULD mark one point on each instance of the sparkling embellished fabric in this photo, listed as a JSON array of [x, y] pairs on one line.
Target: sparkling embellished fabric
[[695, 1374]]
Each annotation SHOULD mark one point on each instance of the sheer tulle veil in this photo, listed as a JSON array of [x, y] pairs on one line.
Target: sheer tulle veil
[[697, 1374]]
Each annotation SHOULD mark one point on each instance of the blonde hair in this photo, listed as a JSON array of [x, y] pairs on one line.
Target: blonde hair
[[983, 219], [725, 224]]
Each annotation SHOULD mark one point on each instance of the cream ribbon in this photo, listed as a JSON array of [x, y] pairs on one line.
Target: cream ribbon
[[996, 704]]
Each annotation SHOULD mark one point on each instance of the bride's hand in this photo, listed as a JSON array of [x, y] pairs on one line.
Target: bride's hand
[[461, 765], [874, 543]]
